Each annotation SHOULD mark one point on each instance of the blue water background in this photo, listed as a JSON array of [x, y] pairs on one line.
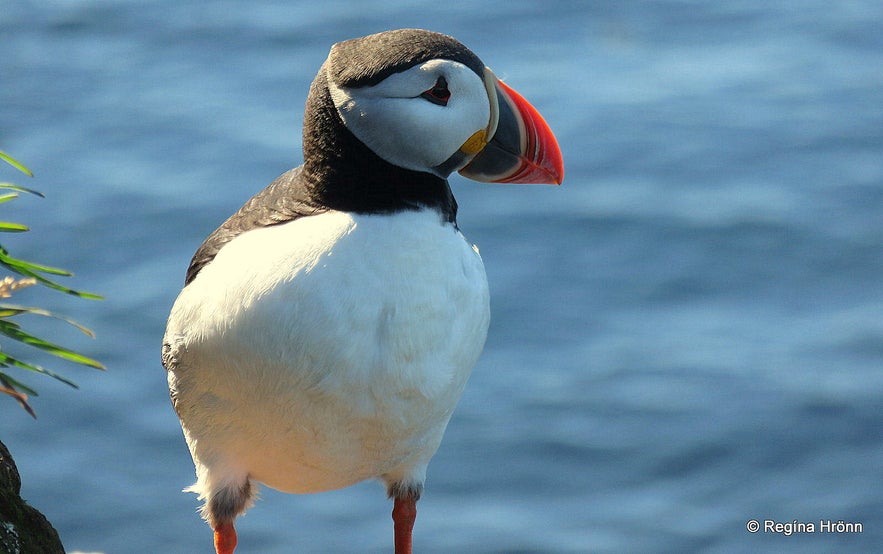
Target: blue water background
[[686, 335]]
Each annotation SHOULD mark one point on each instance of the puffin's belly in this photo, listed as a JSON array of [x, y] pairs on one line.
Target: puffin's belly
[[332, 349]]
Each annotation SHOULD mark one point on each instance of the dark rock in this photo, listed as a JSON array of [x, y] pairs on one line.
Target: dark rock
[[23, 530]]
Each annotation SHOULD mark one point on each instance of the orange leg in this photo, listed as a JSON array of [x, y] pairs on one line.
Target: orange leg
[[225, 538], [404, 512]]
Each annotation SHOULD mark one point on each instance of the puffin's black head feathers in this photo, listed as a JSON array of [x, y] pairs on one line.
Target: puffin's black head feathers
[[366, 61], [342, 173]]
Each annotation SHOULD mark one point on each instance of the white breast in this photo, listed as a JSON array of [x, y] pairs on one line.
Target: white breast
[[318, 353]]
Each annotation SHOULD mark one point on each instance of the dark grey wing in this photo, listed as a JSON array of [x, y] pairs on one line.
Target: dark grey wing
[[284, 200]]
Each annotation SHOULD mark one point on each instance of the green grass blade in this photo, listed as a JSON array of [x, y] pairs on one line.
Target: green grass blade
[[8, 381], [9, 227], [12, 310], [15, 163], [14, 332], [31, 266], [19, 188], [9, 360], [29, 269]]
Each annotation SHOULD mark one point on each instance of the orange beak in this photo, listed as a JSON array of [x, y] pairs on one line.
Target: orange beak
[[522, 148]]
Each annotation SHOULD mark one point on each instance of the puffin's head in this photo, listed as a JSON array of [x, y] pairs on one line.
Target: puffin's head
[[423, 101]]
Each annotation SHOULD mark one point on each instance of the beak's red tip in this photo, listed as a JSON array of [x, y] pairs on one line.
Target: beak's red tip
[[541, 160]]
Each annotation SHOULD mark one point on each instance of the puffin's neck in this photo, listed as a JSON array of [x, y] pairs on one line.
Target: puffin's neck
[[344, 174]]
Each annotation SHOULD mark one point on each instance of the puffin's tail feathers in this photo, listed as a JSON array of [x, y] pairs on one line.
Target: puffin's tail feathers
[[224, 500]]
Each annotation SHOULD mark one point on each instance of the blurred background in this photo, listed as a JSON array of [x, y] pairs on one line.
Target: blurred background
[[686, 335]]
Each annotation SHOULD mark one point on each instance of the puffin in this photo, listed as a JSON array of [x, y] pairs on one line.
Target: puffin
[[326, 330]]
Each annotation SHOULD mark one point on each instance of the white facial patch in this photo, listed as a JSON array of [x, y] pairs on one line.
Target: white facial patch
[[400, 126]]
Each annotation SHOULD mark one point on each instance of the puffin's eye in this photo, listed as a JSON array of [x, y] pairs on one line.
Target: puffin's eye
[[439, 93]]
